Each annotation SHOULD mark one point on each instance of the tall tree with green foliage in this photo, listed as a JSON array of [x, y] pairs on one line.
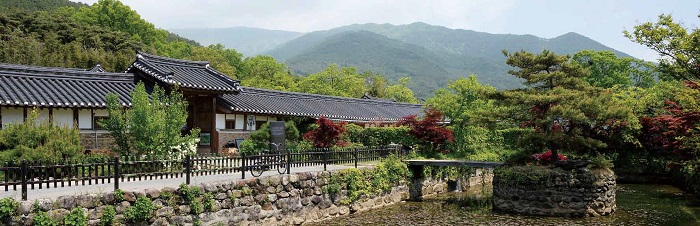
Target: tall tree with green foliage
[[334, 81], [265, 72], [471, 112], [152, 127], [607, 70], [677, 46], [400, 91], [565, 111]]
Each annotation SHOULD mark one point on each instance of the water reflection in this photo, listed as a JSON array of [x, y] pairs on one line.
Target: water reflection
[[636, 205]]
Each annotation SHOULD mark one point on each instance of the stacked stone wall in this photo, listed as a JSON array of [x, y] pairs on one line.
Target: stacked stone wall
[[273, 200], [567, 193]]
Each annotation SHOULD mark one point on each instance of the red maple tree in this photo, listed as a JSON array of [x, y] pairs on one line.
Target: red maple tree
[[674, 130], [428, 129], [327, 134]]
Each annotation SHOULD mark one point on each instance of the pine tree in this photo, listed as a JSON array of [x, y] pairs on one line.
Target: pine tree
[[565, 111]]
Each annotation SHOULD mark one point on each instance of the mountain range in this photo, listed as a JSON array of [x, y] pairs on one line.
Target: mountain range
[[430, 55]]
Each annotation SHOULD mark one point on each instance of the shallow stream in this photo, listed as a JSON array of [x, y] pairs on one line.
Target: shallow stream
[[636, 205]]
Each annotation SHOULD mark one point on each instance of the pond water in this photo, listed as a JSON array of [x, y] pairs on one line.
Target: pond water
[[636, 205]]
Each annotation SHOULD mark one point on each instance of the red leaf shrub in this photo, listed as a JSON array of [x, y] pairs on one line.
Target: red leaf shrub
[[546, 157], [428, 129], [668, 131], [327, 134]]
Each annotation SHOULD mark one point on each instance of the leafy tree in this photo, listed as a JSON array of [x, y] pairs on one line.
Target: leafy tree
[[334, 81], [400, 92], [224, 60], [152, 127], [676, 45], [675, 129], [327, 134], [375, 84], [119, 17], [428, 129], [607, 70], [265, 72], [466, 103], [565, 112]]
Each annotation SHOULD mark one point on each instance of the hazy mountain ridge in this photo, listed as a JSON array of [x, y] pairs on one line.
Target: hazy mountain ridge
[[430, 55], [246, 40]]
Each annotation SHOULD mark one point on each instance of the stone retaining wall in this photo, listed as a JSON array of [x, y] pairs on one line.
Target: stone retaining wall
[[273, 200], [568, 193]]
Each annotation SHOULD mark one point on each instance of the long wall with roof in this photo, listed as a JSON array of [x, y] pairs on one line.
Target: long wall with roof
[[76, 98]]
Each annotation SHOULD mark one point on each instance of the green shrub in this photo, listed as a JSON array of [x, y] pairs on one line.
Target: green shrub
[[141, 211], [260, 139], [8, 207], [118, 195], [35, 207], [601, 162], [360, 183], [378, 136], [208, 201], [38, 140], [43, 219], [246, 191], [195, 207], [108, 214], [189, 193], [249, 147], [523, 174], [75, 218]]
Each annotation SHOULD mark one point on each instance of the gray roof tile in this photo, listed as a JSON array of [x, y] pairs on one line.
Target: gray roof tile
[[262, 101], [22, 85], [185, 73]]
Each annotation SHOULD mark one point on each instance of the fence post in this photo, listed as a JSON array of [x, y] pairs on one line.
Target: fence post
[[116, 173], [325, 158], [243, 165], [188, 169], [355, 153], [24, 171], [289, 161]]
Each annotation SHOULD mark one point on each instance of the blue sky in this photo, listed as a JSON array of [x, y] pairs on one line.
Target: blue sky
[[601, 20]]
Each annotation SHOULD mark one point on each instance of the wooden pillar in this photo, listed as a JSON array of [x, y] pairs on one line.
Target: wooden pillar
[[214, 134]]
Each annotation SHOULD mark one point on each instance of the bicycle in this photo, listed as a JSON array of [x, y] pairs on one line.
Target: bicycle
[[265, 162]]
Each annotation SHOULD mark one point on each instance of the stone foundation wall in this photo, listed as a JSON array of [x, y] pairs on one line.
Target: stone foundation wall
[[568, 193], [274, 200]]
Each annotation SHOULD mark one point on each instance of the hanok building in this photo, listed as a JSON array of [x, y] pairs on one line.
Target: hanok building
[[218, 105]]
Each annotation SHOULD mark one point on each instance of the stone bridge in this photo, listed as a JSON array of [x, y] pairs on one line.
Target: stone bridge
[[421, 185]]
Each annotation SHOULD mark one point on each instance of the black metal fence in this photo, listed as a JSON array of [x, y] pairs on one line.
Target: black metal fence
[[27, 175]]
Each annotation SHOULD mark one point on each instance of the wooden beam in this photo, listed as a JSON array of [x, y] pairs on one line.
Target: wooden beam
[[214, 134]]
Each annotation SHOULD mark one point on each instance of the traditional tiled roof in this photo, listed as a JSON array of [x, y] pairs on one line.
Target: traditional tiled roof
[[262, 101], [184, 73], [22, 85]]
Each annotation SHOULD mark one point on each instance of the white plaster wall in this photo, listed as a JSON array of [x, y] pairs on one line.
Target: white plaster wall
[[43, 115], [63, 117], [85, 119], [240, 120], [220, 121], [12, 115], [100, 112]]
